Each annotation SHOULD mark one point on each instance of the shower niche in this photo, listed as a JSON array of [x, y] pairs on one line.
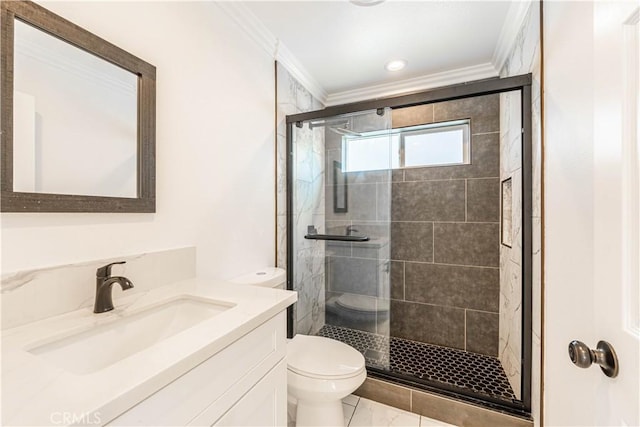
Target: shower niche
[[409, 236]]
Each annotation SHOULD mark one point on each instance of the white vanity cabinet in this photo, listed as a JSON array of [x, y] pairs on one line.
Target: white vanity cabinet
[[244, 384]]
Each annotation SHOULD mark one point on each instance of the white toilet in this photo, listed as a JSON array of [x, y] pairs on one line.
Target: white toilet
[[320, 371]]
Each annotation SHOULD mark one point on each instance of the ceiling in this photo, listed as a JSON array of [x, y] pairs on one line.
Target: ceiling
[[344, 47]]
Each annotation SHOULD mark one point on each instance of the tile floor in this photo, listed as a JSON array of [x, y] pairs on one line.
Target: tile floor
[[361, 412], [465, 370]]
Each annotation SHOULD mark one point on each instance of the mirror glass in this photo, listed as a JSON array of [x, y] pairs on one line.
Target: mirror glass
[[74, 119]]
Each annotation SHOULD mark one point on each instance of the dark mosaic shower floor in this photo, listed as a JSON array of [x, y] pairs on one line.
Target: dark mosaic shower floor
[[475, 372]]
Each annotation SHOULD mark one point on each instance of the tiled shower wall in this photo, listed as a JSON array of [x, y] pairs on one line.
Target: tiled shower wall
[[308, 202], [510, 336], [445, 236], [525, 58]]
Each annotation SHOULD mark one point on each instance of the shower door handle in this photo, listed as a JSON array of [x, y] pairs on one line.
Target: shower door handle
[[604, 355]]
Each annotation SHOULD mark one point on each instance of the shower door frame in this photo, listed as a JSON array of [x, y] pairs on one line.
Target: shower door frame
[[520, 83]]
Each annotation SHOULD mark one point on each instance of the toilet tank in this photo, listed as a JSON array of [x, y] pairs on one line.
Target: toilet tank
[[272, 277]]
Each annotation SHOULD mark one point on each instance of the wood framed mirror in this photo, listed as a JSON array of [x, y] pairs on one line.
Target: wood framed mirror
[[78, 118]]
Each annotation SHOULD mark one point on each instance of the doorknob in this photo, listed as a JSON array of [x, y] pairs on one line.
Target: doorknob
[[604, 355]]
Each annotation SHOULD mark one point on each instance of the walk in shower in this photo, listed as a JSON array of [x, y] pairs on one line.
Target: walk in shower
[[408, 236]]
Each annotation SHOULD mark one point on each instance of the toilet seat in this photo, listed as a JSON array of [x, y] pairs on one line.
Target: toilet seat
[[362, 303], [323, 358]]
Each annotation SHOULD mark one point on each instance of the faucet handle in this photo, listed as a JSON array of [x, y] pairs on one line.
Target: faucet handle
[[105, 271]]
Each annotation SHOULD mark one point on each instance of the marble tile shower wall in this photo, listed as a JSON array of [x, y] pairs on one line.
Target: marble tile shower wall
[[308, 201], [525, 58], [445, 236], [510, 330]]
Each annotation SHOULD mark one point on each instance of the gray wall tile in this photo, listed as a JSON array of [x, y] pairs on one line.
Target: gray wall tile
[[361, 203], [369, 177], [482, 332], [466, 244], [483, 200], [484, 112], [386, 393], [397, 175], [377, 247], [412, 116], [397, 280], [354, 275], [412, 241], [428, 201], [452, 285], [460, 413], [336, 248], [383, 201], [428, 323]]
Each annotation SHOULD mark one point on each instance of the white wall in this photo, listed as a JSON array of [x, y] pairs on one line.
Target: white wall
[[215, 147]]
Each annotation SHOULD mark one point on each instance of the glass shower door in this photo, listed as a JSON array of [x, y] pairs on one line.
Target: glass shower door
[[342, 174]]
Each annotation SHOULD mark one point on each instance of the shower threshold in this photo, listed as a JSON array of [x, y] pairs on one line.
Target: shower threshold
[[478, 374]]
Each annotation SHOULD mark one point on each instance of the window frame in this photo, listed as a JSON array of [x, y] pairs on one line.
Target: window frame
[[464, 125], [402, 133]]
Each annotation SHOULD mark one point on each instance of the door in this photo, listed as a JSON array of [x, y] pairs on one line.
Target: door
[[339, 229], [591, 208]]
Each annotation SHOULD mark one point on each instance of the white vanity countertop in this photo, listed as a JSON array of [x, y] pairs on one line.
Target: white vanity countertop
[[36, 392]]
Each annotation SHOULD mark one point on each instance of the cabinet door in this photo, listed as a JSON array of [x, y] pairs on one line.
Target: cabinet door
[[264, 405], [214, 385]]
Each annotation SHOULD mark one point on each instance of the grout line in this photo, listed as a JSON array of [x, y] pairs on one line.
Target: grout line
[[353, 413], [430, 304], [485, 133], [447, 264], [454, 179]]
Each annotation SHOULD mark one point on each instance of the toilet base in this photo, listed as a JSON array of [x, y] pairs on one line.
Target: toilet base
[[327, 413]]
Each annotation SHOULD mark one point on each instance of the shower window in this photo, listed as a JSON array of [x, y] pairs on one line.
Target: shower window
[[438, 144], [371, 152]]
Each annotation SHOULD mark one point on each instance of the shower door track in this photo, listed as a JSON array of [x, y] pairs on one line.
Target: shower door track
[[496, 85]]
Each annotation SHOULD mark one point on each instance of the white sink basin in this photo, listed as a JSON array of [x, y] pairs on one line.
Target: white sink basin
[[104, 345]]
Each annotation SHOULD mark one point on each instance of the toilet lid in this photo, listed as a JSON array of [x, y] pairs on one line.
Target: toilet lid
[[323, 357]]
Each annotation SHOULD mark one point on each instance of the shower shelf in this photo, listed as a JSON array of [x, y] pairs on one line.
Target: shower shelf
[[338, 237]]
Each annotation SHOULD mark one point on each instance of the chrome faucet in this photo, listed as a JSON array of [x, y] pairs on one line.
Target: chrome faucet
[[350, 230], [104, 282]]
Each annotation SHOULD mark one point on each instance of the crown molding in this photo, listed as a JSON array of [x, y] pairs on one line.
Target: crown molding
[[285, 57], [513, 22], [251, 25], [417, 84], [259, 33]]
